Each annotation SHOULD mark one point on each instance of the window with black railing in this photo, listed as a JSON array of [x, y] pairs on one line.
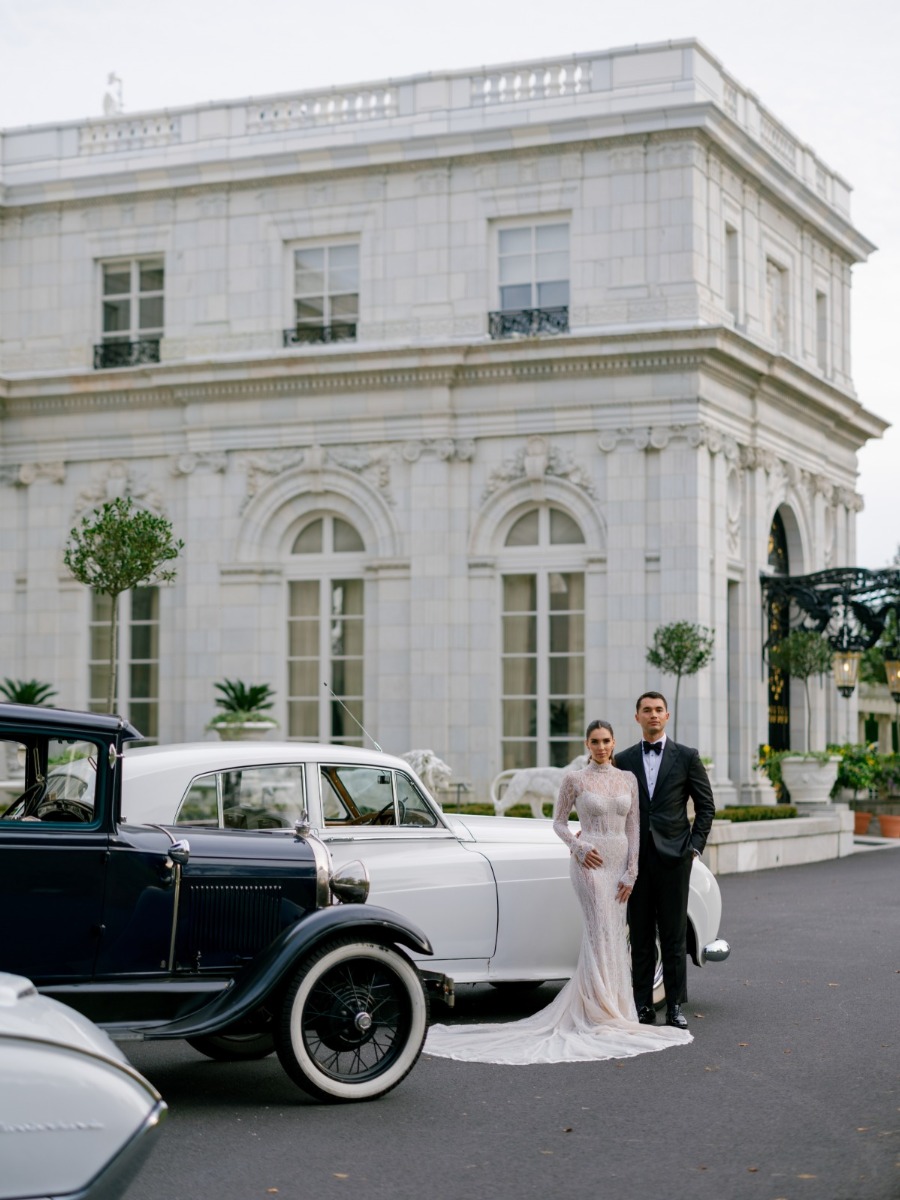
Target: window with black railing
[[132, 310], [326, 294], [533, 271]]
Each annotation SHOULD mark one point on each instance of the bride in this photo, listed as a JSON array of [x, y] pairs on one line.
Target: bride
[[594, 1016]]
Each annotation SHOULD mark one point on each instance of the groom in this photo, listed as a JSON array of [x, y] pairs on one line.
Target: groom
[[668, 775]]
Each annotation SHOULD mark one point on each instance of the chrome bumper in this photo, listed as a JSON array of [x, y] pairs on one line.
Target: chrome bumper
[[716, 951]]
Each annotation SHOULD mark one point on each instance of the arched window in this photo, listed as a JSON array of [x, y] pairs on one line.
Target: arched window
[[542, 692], [326, 632]]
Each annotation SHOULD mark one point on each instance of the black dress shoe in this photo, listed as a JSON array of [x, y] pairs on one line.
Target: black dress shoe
[[674, 1016], [647, 1015]]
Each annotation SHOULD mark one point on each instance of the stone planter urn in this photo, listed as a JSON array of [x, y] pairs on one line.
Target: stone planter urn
[[809, 779], [243, 731]]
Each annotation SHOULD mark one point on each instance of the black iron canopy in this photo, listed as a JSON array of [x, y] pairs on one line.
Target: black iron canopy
[[847, 605]]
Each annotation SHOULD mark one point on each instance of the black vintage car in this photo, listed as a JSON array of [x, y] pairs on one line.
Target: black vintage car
[[239, 944]]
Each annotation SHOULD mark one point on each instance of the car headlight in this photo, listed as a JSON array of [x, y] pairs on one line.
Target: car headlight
[[350, 883]]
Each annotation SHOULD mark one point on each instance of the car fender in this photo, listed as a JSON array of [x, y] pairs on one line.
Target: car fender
[[704, 909], [263, 976]]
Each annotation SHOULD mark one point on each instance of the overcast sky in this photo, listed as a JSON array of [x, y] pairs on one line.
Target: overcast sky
[[827, 70]]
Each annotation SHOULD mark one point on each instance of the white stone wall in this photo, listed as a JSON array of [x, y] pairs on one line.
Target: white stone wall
[[669, 421]]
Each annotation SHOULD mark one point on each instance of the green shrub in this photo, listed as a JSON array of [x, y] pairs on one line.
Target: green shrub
[[858, 769], [487, 810], [756, 812]]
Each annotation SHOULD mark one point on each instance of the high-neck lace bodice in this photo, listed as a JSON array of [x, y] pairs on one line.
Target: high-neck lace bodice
[[606, 801]]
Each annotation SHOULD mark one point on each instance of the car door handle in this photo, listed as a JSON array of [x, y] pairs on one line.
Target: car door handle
[[338, 839]]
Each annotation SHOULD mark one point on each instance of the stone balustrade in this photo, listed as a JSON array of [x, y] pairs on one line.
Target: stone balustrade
[[601, 86]]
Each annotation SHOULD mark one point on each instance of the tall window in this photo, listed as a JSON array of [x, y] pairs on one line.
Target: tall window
[[137, 683], [326, 294], [132, 313], [542, 643], [533, 273], [326, 635]]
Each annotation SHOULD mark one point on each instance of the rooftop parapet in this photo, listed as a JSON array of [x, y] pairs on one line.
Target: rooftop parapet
[[610, 88]]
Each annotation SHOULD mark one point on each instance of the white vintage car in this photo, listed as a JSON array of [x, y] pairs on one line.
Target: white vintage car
[[492, 893], [75, 1118]]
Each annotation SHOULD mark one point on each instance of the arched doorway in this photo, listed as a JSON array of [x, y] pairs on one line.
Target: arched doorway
[[779, 626]]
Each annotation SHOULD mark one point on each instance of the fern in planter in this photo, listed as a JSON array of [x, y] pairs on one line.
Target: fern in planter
[[27, 691], [243, 704]]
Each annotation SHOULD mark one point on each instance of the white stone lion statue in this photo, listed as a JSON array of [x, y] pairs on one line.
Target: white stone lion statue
[[433, 771], [536, 785]]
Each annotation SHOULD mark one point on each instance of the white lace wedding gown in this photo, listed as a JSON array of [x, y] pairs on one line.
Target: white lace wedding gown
[[593, 1017]]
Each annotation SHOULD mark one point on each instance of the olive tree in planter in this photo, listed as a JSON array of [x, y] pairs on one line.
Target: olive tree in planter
[[244, 710], [808, 775], [679, 649], [116, 547]]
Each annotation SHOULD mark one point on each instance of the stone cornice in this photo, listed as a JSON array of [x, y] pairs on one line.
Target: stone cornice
[[695, 350], [741, 455]]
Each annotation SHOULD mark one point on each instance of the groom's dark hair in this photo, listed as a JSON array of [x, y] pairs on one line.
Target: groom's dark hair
[[651, 696]]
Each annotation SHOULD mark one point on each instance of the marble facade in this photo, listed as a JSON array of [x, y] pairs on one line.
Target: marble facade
[[703, 383]]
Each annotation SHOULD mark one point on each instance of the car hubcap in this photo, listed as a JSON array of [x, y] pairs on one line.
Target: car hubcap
[[355, 1020]]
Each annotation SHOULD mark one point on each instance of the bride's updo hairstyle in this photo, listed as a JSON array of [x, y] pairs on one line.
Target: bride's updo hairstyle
[[601, 725]]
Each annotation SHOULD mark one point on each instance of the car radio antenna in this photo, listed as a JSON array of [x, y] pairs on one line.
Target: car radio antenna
[[352, 717]]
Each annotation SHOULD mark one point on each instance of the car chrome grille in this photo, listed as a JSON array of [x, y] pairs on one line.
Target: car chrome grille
[[234, 917]]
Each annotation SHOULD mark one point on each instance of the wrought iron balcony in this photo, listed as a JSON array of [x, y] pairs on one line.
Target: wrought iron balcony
[[526, 322], [338, 331], [126, 354]]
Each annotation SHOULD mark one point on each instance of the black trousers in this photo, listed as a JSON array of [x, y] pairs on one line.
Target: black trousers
[[658, 904]]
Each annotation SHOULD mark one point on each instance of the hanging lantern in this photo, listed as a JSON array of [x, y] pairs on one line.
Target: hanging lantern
[[846, 671]]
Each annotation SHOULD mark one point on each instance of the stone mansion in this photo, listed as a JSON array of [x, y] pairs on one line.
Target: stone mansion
[[455, 386]]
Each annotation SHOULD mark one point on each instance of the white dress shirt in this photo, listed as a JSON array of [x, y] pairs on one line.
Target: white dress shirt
[[651, 764]]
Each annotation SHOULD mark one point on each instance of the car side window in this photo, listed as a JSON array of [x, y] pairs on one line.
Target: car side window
[[56, 785], [357, 795], [200, 805], [413, 807], [264, 797]]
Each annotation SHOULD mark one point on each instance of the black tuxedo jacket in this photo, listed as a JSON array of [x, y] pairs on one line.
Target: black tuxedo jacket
[[682, 776]]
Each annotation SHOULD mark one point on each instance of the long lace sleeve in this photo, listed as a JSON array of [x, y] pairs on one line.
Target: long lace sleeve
[[565, 802], [632, 832]]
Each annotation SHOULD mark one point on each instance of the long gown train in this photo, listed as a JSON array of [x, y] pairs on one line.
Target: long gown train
[[593, 1017]]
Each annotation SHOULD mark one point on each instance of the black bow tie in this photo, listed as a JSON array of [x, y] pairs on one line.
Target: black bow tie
[[652, 747]]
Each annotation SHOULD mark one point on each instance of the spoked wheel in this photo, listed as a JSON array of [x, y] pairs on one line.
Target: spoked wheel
[[353, 1022], [235, 1047]]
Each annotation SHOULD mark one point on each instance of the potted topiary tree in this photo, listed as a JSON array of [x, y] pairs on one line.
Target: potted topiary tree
[[115, 548], [244, 710], [680, 649], [808, 775]]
